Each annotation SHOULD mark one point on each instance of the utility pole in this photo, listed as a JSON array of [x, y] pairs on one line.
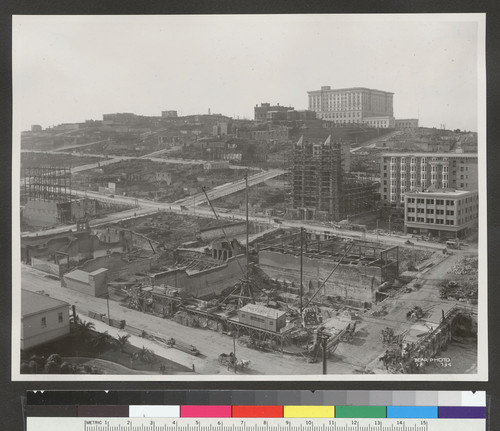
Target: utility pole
[[246, 206], [377, 229], [301, 268], [229, 242]]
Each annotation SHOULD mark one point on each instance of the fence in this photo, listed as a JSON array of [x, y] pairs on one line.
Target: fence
[[115, 323]]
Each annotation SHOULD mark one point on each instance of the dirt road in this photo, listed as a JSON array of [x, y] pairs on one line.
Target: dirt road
[[367, 346]]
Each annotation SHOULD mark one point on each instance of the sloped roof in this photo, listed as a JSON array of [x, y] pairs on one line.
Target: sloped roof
[[34, 303], [78, 275]]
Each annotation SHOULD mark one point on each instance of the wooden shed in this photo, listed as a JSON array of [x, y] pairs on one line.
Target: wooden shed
[[260, 316]]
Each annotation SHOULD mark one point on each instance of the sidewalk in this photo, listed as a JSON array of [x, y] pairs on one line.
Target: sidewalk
[[169, 353]]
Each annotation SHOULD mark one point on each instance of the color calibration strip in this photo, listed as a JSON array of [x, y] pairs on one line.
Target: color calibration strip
[[259, 398], [382, 412], [259, 404]]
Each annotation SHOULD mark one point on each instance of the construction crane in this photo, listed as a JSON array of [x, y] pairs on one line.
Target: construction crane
[[245, 286]]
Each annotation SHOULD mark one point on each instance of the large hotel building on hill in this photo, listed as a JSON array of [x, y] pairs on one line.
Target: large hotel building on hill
[[353, 106]]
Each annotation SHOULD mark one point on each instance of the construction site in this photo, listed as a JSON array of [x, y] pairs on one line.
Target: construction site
[[47, 200], [266, 199], [321, 186], [277, 290], [310, 297]]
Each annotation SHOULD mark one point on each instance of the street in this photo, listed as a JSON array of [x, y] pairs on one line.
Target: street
[[145, 206], [360, 355], [210, 343], [109, 159]]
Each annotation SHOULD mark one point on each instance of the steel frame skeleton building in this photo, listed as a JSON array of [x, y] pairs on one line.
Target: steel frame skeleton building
[[47, 184], [320, 185], [47, 196]]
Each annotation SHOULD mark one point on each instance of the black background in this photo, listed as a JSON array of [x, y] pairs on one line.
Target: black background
[[10, 392]]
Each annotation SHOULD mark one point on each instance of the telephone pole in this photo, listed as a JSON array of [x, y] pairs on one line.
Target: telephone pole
[[301, 269], [246, 206]]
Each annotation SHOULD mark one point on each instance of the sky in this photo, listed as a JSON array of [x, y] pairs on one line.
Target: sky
[[76, 68]]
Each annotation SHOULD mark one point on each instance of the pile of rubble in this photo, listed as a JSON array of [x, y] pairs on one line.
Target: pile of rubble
[[410, 258], [465, 266], [463, 282], [461, 291]]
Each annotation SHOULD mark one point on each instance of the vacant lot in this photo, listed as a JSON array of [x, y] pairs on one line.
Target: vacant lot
[[37, 160], [260, 198], [163, 182]]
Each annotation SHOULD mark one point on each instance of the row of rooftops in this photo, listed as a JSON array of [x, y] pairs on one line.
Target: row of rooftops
[[328, 88], [262, 310], [83, 276], [415, 154], [442, 193]]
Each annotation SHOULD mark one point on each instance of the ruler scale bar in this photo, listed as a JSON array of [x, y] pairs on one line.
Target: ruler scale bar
[[271, 424]]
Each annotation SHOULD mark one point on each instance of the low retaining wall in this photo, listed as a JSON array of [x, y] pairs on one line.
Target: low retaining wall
[[203, 283], [117, 267], [48, 267], [351, 283], [231, 229]]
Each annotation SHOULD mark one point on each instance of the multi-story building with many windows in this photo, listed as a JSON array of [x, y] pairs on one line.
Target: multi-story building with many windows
[[410, 172], [352, 105], [261, 112], [406, 124], [386, 122], [442, 213]]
